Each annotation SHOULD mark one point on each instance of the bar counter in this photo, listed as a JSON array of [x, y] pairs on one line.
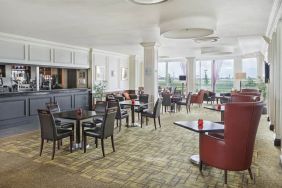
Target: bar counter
[[16, 107]]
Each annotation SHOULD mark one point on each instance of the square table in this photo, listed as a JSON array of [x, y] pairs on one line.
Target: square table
[[136, 103], [207, 128], [220, 109], [74, 115]]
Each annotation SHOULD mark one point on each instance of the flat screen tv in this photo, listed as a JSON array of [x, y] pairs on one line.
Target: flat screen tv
[[266, 72], [182, 77]]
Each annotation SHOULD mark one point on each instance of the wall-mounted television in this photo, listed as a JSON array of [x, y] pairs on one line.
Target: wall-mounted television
[[182, 77], [266, 72]]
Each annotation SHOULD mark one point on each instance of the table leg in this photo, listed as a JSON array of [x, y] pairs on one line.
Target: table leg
[[222, 116], [77, 136], [195, 159], [132, 115]]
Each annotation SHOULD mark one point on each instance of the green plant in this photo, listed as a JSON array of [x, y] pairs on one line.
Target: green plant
[[99, 89]]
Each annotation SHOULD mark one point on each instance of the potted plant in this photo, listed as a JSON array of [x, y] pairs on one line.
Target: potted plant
[[262, 88], [99, 90]]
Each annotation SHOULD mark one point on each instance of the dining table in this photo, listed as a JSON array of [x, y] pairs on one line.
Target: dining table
[[132, 105], [77, 116], [207, 127], [219, 108]]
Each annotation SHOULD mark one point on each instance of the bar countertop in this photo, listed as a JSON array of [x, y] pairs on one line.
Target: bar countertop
[[42, 92]]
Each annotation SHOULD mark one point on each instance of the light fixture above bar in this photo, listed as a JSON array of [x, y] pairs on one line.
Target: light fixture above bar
[[148, 2]]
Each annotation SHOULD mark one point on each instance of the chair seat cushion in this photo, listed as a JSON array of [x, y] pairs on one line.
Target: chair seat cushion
[[66, 125], [148, 113], [95, 132], [181, 102], [98, 119], [88, 124], [62, 133]]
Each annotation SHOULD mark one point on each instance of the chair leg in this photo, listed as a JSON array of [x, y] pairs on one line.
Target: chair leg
[[58, 143], [138, 116], [225, 177], [159, 118], [119, 126], [96, 142], [155, 123], [54, 148], [251, 174], [146, 120], [41, 146], [113, 144], [141, 120], [84, 143], [117, 122], [201, 166], [127, 121], [71, 139], [187, 109], [102, 143]]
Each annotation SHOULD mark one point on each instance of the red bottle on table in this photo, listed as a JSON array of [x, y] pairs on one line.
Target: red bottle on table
[[219, 107], [133, 101], [200, 123]]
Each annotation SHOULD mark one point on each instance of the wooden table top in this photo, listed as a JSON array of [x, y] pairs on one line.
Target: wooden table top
[[208, 126]]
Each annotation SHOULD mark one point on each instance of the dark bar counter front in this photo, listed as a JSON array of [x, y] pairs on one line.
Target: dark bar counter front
[[17, 107]]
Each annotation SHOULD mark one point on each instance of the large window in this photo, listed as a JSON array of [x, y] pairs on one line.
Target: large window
[[169, 72], [203, 75], [224, 75], [214, 75], [249, 66]]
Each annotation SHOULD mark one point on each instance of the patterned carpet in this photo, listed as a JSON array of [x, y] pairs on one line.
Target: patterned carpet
[[143, 158]]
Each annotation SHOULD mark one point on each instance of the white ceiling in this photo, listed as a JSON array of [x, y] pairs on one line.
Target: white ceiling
[[120, 25]]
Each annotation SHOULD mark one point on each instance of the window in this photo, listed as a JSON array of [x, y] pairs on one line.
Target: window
[[249, 66], [225, 76], [203, 75], [169, 72]]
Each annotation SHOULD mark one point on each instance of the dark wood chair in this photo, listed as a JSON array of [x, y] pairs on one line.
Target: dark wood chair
[[100, 108], [156, 113], [166, 102], [186, 103], [103, 132], [144, 98], [49, 131], [121, 113]]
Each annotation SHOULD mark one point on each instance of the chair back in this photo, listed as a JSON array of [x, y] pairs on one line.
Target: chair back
[[53, 107], [109, 122], [115, 104], [101, 107], [201, 95], [243, 98], [47, 124], [157, 108], [166, 100], [250, 90], [241, 121], [144, 98]]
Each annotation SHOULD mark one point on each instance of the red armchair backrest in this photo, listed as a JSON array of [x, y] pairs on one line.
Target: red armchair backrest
[[250, 90], [241, 121], [243, 98], [200, 96]]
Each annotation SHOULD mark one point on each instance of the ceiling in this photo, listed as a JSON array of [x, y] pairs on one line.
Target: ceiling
[[120, 25]]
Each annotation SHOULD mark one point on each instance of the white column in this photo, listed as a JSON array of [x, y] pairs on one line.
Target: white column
[[37, 78], [151, 70], [133, 74], [190, 74], [237, 68], [271, 100]]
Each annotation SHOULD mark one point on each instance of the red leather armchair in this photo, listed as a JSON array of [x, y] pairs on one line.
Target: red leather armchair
[[235, 151], [198, 98], [250, 90]]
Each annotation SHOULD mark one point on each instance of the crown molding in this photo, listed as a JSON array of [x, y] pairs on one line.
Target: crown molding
[[274, 18]]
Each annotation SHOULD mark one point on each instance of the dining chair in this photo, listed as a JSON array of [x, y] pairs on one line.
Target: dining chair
[[49, 131], [198, 98], [166, 102], [106, 130], [100, 108], [121, 113], [156, 113], [186, 103], [234, 152], [143, 98]]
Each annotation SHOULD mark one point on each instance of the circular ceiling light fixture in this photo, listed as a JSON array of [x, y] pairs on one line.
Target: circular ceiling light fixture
[[188, 27], [148, 2], [206, 39]]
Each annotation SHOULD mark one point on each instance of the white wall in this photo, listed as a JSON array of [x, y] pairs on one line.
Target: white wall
[[113, 63], [24, 50]]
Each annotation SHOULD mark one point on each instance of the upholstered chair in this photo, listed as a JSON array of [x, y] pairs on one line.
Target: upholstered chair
[[156, 113], [198, 98], [235, 151]]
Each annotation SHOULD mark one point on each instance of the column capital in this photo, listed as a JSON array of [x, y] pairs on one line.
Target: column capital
[[190, 58], [150, 44]]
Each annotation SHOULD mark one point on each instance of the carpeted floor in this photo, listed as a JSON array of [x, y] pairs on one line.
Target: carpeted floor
[[143, 158]]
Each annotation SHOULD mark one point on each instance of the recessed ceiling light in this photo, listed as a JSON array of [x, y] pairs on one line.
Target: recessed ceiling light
[[187, 33], [148, 2]]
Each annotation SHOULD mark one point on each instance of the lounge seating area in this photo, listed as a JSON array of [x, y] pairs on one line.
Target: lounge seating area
[[140, 94]]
